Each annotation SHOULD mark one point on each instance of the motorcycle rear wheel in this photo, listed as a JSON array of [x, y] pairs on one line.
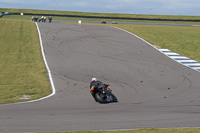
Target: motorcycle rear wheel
[[101, 99]]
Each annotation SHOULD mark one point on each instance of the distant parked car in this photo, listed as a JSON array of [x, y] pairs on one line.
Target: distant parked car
[[5, 13], [103, 22], [8, 13]]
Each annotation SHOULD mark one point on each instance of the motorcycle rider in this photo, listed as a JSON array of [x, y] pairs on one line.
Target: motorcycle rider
[[95, 85], [50, 19]]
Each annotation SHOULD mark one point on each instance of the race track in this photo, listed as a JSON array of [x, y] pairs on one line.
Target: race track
[[153, 90]]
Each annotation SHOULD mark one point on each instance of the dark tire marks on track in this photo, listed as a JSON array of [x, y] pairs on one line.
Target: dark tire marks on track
[[153, 90]]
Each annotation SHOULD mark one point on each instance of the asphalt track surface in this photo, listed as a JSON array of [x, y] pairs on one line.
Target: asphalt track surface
[[153, 90]]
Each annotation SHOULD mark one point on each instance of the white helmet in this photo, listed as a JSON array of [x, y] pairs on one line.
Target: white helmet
[[94, 79]]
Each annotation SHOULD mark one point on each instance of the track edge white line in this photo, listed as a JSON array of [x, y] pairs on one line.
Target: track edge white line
[[48, 71]]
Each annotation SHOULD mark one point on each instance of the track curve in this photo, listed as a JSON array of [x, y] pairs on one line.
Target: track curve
[[153, 90]]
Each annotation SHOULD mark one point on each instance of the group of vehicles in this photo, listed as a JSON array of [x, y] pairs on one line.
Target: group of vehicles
[[104, 22], [42, 19]]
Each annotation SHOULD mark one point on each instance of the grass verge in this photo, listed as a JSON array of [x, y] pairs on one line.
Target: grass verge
[[182, 40], [152, 130], [23, 74]]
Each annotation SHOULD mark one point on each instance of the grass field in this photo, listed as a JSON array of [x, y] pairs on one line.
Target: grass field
[[152, 130], [182, 40], [23, 74]]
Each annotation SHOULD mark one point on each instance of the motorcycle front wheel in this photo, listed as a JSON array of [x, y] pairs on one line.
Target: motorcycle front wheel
[[100, 98]]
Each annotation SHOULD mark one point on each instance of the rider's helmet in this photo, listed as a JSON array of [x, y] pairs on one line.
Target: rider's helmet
[[94, 79]]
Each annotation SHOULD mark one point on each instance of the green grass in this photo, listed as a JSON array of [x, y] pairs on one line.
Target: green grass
[[21, 64], [182, 40], [152, 130]]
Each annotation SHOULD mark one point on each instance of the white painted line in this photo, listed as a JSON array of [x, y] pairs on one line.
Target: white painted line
[[179, 58], [136, 36], [46, 64], [171, 54], [48, 71], [193, 64], [164, 49], [195, 68], [186, 61]]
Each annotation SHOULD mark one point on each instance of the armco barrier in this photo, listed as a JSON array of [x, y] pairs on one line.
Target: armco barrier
[[7, 13], [1, 15], [100, 17]]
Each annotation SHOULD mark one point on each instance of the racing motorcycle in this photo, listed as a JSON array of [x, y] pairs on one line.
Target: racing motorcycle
[[102, 95]]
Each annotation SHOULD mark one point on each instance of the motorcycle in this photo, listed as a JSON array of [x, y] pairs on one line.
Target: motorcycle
[[103, 22], [102, 95], [114, 22]]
